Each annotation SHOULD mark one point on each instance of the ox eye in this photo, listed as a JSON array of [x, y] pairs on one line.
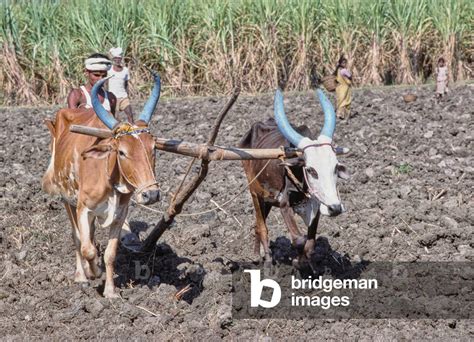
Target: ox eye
[[312, 172], [122, 154]]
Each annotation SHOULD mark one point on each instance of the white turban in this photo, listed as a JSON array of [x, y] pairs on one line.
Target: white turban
[[116, 52], [98, 64]]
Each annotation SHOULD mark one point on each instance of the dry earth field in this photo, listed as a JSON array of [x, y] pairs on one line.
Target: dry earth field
[[409, 199]]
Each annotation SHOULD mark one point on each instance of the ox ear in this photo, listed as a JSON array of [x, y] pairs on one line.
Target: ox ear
[[293, 162], [97, 151], [341, 171]]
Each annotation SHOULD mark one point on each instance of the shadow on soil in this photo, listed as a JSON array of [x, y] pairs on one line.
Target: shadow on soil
[[323, 261], [162, 266]]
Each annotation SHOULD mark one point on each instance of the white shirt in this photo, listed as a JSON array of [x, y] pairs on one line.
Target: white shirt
[[88, 104], [117, 83]]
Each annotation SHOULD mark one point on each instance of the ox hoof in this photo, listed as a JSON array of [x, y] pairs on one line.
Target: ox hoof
[[299, 243], [92, 270], [111, 293], [309, 248], [96, 272], [80, 278], [89, 273]]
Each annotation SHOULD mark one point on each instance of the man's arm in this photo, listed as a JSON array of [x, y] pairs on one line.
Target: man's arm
[[74, 98], [127, 78], [113, 102], [347, 74]]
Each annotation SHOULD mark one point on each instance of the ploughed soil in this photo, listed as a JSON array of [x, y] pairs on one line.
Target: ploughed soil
[[409, 199]]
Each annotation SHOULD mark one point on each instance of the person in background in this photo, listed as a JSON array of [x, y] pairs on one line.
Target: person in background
[[343, 89], [118, 84], [441, 78], [95, 68]]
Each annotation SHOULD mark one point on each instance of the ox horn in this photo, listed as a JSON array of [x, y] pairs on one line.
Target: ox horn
[[100, 111], [282, 121], [329, 115], [150, 105]]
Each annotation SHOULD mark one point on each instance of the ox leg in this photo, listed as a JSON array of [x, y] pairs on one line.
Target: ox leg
[[111, 250], [261, 230], [297, 238], [92, 267], [80, 274], [109, 260], [310, 242], [88, 249]]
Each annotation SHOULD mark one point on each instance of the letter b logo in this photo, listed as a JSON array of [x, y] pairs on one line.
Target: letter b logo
[[256, 288]]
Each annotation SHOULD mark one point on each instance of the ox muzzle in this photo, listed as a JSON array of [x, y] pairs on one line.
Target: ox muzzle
[[332, 210], [148, 196]]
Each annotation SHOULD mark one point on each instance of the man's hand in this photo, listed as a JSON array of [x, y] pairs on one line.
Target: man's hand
[[113, 102]]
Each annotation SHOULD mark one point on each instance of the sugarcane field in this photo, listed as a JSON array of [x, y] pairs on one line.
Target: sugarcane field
[[260, 170]]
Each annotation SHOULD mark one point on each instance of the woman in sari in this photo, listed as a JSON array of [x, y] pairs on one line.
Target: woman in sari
[[343, 89]]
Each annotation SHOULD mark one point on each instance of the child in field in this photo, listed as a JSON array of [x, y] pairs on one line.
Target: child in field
[[343, 89], [441, 78], [118, 84], [95, 68]]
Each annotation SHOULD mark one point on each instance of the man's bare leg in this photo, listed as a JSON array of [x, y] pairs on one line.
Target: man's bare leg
[[128, 111]]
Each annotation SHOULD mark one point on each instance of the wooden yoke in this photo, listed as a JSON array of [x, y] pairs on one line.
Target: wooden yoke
[[216, 153], [201, 151]]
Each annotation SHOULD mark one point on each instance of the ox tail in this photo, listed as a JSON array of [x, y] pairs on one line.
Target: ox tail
[[48, 183], [51, 127], [48, 179]]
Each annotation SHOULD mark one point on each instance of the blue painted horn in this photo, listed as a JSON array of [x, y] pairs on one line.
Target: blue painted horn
[[150, 105], [100, 111], [329, 115], [282, 122]]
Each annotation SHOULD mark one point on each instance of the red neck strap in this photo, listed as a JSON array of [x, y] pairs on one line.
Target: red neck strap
[[318, 145]]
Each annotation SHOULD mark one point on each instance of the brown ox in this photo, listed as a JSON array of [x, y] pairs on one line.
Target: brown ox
[[306, 185], [97, 177]]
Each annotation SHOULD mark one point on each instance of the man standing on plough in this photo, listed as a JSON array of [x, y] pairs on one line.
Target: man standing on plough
[[95, 69]]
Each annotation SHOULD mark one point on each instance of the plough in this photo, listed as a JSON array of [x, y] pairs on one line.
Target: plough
[[206, 153]]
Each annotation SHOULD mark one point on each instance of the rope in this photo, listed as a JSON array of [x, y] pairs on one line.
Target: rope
[[296, 182], [221, 205]]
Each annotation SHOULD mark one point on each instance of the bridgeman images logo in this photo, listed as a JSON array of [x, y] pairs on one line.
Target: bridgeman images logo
[[256, 289], [431, 290], [319, 284]]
